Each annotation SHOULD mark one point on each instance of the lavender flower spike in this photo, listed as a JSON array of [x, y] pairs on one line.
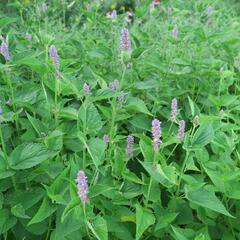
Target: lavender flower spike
[[181, 130], [125, 40], [156, 134], [114, 85], [106, 138], [175, 31], [174, 110], [82, 185], [130, 142], [86, 89], [54, 56], [44, 7], [4, 50]]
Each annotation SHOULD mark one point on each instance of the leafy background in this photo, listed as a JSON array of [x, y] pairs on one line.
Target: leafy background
[[49, 130]]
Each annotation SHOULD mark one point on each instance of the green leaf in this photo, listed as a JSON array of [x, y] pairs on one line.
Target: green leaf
[[46, 209], [96, 148], [90, 118], [7, 221], [72, 204], [137, 105], [19, 211], [203, 136], [165, 220], [99, 228], [183, 234], [164, 175], [144, 219], [206, 199], [29, 155]]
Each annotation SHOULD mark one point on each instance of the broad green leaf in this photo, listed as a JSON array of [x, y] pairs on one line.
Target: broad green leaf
[[99, 228], [165, 220], [96, 148], [19, 211], [90, 118], [29, 155], [5, 172], [46, 209], [203, 136], [72, 204], [206, 199], [7, 220], [164, 175], [137, 105], [183, 234], [144, 219]]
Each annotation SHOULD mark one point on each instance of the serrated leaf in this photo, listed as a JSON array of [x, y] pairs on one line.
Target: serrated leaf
[[144, 219], [46, 209], [206, 199], [29, 155]]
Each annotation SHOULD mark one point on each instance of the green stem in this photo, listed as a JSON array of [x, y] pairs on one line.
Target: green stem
[[9, 82], [151, 180], [49, 228], [85, 219], [172, 151], [182, 172], [6, 156]]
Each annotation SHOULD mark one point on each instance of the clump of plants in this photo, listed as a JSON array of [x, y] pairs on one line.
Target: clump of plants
[[122, 125]]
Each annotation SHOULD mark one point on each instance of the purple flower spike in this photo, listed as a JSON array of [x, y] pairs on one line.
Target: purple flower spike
[[120, 99], [114, 14], [106, 138], [82, 185], [174, 110], [125, 40], [175, 31], [156, 134], [114, 85], [181, 130], [129, 148], [4, 50], [1, 111], [54, 56], [209, 11], [86, 89], [44, 7]]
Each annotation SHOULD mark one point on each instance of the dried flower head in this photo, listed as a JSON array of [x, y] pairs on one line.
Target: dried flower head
[[174, 110], [125, 40], [114, 85], [54, 56], [82, 185], [112, 15], [129, 17], [86, 89], [181, 130], [156, 134], [155, 3], [4, 50], [196, 121], [106, 138], [129, 148]]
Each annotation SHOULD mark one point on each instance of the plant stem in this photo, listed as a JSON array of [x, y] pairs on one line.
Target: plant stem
[[181, 173], [49, 228], [85, 219], [151, 180]]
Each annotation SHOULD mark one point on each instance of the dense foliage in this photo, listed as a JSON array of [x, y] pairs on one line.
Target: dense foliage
[[119, 125]]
